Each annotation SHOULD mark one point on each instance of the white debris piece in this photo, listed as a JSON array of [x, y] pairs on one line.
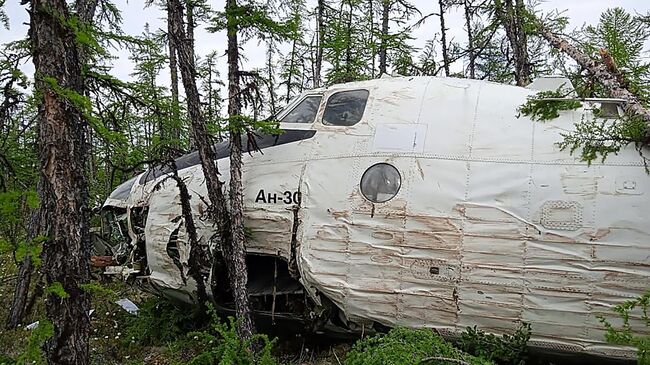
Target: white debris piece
[[34, 325], [128, 306]]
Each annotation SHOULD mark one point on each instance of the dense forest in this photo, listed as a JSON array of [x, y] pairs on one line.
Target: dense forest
[[72, 131]]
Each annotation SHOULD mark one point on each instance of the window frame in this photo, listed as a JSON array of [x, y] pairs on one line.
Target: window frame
[[399, 187], [293, 105], [365, 107]]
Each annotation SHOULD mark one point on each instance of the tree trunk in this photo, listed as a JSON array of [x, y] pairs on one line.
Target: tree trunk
[[234, 256], [443, 38], [270, 78], [85, 11], [198, 260], [64, 192], [383, 45], [511, 17], [602, 74], [173, 72], [291, 69], [189, 20], [470, 39], [21, 291], [348, 45], [319, 43]]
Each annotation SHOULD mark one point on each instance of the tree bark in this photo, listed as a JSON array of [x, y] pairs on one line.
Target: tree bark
[[600, 72], [292, 61], [270, 78], [511, 17], [383, 45], [198, 260], [319, 43], [443, 38], [64, 192], [348, 46], [470, 39], [173, 73], [85, 11], [234, 256], [21, 291]]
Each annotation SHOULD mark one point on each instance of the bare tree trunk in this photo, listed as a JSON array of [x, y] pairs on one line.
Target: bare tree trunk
[[291, 67], [443, 38], [17, 311], [348, 46], [383, 46], [198, 260], [234, 256], [319, 43], [270, 77], [602, 74], [236, 260], [173, 72], [189, 19], [511, 18], [21, 291], [64, 192], [470, 39]]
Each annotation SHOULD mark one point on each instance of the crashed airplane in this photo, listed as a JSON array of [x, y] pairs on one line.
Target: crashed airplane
[[419, 202]]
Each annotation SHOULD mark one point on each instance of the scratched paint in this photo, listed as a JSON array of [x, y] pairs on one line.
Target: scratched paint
[[493, 225]]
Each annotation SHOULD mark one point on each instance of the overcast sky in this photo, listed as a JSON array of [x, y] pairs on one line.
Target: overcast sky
[[135, 17]]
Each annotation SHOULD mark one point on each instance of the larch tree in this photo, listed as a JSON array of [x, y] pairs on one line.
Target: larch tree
[[63, 188], [200, 135], [446, 62], [513, 17], [343, 46], [392, 36]]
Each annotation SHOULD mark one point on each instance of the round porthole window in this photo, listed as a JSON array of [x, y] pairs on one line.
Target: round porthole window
[[380, 183]]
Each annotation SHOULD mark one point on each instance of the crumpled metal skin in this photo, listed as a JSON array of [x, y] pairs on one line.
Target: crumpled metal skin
[[492, 225]]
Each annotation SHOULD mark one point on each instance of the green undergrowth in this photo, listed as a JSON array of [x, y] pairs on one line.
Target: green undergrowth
[[403, 346], [622, 331]]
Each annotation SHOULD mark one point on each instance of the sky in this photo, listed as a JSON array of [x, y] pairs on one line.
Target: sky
[[135, 17]]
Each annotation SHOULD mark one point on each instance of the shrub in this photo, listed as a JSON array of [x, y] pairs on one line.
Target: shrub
[[626, 335], [402, 346], [506, 349], [220, 344], [159, 322]]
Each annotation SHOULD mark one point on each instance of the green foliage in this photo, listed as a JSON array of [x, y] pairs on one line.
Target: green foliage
[[253, 21], [221, 345], [506, 349], [32, 353], [403, 346], [159, 323], [98, 290], [598, 138], [623, 36], [32, 249], [625, 334], [540, 109], [344, 45], [57, 289]]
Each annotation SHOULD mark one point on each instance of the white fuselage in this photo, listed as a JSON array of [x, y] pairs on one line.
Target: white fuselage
[[492, 224]]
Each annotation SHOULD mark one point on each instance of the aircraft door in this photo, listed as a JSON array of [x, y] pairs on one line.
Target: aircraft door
[[272, 180]]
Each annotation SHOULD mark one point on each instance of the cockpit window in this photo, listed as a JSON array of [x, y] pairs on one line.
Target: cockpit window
[[345, 108], [305, 112]]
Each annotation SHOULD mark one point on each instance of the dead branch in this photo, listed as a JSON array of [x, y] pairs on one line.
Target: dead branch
[[601, 73], [447, 359]]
